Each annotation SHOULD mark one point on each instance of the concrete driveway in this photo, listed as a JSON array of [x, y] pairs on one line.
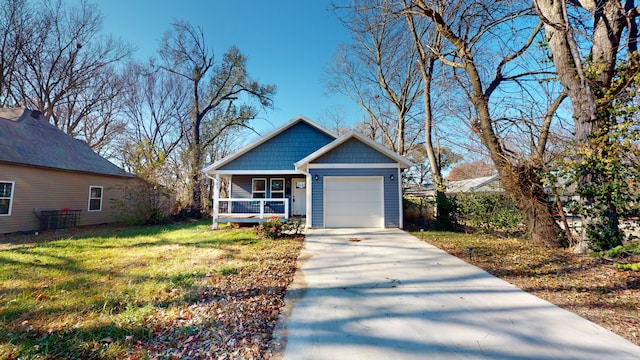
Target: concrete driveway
[[383, 294]]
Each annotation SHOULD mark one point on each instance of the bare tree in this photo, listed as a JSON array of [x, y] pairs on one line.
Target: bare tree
[[427, 43], [470, 170], [13, 31], [333, 119], [157, 107], [470, 29], [379, 72], [69, 71], [223, 94]]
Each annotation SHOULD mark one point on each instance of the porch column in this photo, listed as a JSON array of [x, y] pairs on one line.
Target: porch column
[[216, 199]]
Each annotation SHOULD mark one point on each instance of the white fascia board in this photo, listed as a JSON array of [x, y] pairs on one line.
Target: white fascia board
[[257, 172], [265, 138], [354, 166]]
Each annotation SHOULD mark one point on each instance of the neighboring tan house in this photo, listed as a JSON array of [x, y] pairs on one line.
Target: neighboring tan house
[[43, 170], [303, 170]]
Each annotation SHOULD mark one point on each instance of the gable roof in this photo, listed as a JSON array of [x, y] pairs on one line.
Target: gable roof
[[293, 122], [28, 139], [402, 161]]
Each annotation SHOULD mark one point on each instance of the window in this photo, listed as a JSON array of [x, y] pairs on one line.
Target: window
[[259, 188], [277, 188], [6, 197], [95, 198]]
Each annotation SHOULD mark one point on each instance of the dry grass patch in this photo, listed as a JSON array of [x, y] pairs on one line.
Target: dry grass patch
[[180, 291], [589, 287]]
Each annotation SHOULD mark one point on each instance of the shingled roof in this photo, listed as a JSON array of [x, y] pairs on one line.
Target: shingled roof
[[27, 138]]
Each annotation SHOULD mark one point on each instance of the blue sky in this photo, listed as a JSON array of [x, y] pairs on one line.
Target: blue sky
[[288, 43]]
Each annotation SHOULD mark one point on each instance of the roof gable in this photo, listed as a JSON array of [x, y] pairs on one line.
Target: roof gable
[[278, 150], [31, 140], [343, 149], [353, 151]]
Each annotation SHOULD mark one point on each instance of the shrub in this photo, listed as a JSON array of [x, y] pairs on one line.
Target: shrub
[[621, 254], [142, 204], [269, 229], [275, 228], [486, 212], [418, 211]]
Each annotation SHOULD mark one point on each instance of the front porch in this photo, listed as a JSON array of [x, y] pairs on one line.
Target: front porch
[[254, 198], [250, 210]]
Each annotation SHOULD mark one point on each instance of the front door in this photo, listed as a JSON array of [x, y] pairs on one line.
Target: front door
[[299, 196]]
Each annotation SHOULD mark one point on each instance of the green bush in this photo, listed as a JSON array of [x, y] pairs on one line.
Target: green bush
[[486, 212], [629, 251]]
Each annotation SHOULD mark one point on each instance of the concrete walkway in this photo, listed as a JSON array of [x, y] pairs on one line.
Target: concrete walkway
[[383, 294]]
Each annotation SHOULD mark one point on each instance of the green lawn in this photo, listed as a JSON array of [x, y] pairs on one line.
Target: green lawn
[[110, 296]]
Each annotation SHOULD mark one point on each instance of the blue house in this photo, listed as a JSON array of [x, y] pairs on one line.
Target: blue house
[[303, 170]]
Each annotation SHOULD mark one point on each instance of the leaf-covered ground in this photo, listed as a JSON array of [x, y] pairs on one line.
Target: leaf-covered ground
[[169, 292], [185, 292], [590, 287]]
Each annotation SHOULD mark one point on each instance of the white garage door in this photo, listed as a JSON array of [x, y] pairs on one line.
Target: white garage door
[[353, 202]]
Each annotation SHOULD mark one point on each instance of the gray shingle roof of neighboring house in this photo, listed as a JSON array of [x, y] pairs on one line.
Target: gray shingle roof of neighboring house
[[481, 184], [27, 138]]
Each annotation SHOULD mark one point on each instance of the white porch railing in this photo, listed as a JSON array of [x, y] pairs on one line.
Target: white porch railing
[[258, 208]]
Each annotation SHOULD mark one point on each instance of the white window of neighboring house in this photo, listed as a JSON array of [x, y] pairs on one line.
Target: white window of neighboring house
[[259, 188], [6, 197], [277, 188], [95, 198]]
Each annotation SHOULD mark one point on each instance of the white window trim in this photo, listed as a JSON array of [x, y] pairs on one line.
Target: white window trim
[[90, 198], [13, 191], [259, 191], [284, 185]]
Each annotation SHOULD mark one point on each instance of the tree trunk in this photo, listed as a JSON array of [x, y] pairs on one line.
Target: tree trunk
[[520, 181], [426, 64], [586, 89], [524, 185], [196, 176]]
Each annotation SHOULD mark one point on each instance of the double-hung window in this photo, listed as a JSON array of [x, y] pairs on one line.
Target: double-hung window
[[6, 197], [95, 198], [259, 188], [277, 188]]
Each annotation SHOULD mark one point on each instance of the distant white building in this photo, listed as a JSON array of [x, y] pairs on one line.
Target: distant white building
[[486, 184], [477, 185]]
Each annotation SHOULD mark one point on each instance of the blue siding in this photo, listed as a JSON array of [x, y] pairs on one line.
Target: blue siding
[[354, 151], [391, 193], [241, 184], [283, 150]]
